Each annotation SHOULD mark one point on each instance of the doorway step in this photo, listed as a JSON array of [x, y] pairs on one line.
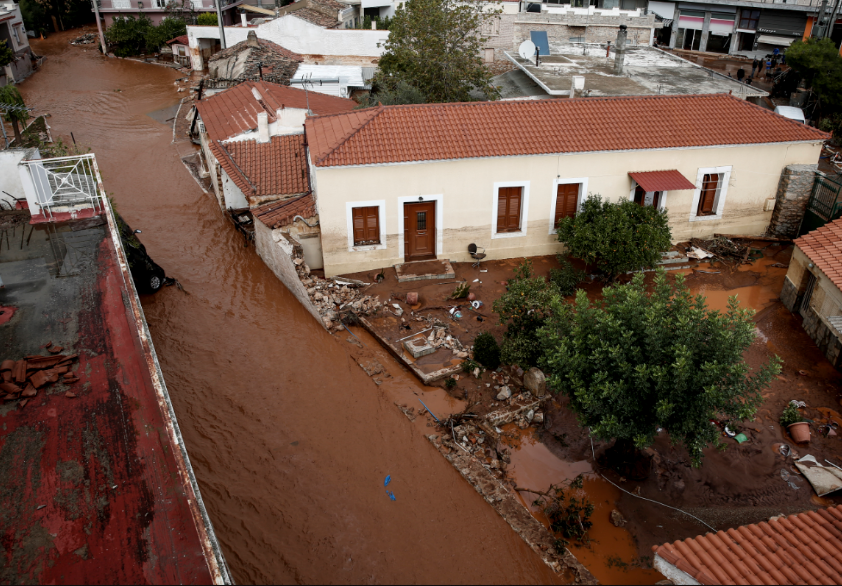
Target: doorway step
[[424, 269]]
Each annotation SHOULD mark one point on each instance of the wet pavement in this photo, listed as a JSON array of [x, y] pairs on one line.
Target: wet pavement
[[289, 439]]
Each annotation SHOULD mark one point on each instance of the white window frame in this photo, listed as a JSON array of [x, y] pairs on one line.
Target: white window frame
[[662, 203], [524, 209], [439, 199], [381, 221], [583, 190], [719, 204]]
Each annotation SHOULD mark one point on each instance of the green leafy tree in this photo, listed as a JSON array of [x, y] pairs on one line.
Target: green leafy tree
[[486, 351], [636, 362], [9, 94], [401, 93], [207, 19], [818, 61], [169, 28], [129, 34], [6, 53], [616, 237], [38, 14], [434, 45]]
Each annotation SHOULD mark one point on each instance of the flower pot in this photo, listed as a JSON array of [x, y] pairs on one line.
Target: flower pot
[[800, 432]]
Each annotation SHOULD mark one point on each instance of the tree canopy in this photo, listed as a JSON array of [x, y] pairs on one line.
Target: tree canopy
[[818, 61], [434, 46], [6, 53], [9, 94], [635, 362], [132, 35], [615, 237]]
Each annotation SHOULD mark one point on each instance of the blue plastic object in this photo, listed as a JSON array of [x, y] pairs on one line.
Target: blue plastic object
[[391, 495], [388, 480], [541, 41]]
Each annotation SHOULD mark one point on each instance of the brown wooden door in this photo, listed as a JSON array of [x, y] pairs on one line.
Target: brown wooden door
[[419, 228], [708, 196], [566, 201]]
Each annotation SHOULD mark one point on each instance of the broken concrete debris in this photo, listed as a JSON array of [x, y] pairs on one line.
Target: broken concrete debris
[[38, 371]]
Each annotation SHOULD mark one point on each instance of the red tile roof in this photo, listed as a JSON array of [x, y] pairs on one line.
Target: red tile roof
[[235, 110], [662, 180], [799, 549], [182, 40], [263, 47], [281, 213], [274, 168], [392, 134], [316, 17], [824, 247]]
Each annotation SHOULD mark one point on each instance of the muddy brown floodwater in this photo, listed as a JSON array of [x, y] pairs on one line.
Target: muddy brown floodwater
[[289, 439]]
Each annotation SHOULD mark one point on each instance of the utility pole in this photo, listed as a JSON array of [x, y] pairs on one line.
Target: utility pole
[[832, 19], [820, 27], [99, 27], [222, 28]]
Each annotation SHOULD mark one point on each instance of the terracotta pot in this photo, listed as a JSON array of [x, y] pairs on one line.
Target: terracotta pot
[[800, 432], [471, 296], [412, 298]]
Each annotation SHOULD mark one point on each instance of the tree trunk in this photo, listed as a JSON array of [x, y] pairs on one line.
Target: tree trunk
[[16, 129]]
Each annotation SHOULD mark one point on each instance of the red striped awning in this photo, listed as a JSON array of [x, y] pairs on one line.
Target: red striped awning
[[670, 180]]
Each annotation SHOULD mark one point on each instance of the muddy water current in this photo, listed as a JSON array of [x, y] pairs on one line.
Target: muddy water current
[[290, 440]]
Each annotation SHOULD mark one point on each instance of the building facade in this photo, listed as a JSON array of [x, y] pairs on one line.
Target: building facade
[[156, 10], [12, 31]]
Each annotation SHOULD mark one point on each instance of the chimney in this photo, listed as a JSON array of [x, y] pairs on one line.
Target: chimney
[[263, 127], [620, 50], [251, 41], [243, 19]]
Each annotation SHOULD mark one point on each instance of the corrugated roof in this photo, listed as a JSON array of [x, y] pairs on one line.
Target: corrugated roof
[[235, 110], [277, 167], [798, 549], [823, 246], [393, 134], [281, 213], [670, 180]]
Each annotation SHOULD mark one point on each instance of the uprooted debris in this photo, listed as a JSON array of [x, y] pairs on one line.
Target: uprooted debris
[[22, 379], [722, 249], [334, 298], [86, 39]]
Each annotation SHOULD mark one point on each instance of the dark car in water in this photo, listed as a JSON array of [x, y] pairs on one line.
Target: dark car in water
[[148, 276]]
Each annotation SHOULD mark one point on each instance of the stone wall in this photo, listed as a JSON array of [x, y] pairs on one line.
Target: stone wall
[[823, 335], [595, 28], [794, 190], [789, 294]]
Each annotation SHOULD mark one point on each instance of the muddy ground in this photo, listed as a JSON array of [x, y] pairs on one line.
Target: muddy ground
[[737, 485]]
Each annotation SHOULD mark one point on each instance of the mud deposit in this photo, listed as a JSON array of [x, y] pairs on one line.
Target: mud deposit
[[289, 438]]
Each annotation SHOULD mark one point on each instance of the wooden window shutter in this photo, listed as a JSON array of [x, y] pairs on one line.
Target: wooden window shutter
[[508, 209], [708, 196], [366, 225], [567, 197]]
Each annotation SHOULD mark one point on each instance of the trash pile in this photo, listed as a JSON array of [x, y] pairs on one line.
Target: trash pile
[[440, 337], [22, 379], [86, 39], [467, 437], [334, 297], [722, 249]]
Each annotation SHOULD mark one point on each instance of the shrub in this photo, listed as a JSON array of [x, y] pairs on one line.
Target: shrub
[[567, 277], [486, 351], [450, 383], [207, 19], [790, 415], [616, 237], [469, 366], [568, 515]]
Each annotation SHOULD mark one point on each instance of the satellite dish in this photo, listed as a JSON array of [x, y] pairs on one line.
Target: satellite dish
[[526, 50]]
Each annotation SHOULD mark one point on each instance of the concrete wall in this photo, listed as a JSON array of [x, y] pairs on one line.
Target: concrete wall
[[277, 252], [234, 198], [826, 301], [13, 175], [791, 199], [561, 28], [298, 36], [465, 193]]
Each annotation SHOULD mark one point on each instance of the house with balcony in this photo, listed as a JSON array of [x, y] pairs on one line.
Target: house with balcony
[[737, 27], [13, 33], [156, 10]]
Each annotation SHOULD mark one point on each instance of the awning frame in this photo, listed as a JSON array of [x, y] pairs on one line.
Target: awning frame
[[663, 180]]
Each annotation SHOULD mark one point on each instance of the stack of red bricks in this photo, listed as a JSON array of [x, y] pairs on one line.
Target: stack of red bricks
[[22, 379]]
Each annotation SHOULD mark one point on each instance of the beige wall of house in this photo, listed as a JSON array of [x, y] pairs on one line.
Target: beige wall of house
[[465, 192]]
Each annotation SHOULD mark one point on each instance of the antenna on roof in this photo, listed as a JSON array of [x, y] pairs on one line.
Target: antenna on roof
[[307, 79]]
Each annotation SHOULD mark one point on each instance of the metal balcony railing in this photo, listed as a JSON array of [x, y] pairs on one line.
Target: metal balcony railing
[[66, 182], [122, 4]]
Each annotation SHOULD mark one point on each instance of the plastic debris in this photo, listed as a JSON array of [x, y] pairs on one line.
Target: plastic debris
[[391, 495], [785, 450], [729, 433], [388, 480], [740, 438]]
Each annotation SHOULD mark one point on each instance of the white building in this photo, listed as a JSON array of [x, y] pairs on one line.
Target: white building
[[13, 33]]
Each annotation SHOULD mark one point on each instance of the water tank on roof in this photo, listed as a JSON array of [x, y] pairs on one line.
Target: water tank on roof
[[533, 7]]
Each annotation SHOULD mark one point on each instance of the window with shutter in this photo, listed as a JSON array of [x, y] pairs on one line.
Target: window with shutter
[[707, 198], [508, 209], [566, 201], [366, 225]]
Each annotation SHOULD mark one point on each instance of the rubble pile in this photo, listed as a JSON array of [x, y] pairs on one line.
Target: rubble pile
[[724, 249], [333, 298], [22, 379], [440, 337], [467, 438], [86, 39]]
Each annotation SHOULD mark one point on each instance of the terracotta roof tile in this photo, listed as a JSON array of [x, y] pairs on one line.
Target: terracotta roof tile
[[235, 110], [316, 17], [790, 550], [281, 213], [823, 246], [670, 180], [182, 40], [395, 134], [275, 168]]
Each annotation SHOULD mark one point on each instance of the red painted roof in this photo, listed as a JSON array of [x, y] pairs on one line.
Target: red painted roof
[[393, 134], [281, 213], [824, 247], [277, 167], [235, 110], [662, 180], [182, 40], [799, 549]]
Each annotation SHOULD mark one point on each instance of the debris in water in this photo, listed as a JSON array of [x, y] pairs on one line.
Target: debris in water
[[391, 495], [388, 480]]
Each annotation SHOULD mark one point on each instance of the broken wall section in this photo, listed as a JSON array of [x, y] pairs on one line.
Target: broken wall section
[[791, 199]]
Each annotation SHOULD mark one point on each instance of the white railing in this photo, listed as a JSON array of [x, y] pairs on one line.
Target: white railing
[[122, 4], [66, 182]]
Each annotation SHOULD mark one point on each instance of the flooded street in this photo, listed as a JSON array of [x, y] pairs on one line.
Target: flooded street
[[289, 439]]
